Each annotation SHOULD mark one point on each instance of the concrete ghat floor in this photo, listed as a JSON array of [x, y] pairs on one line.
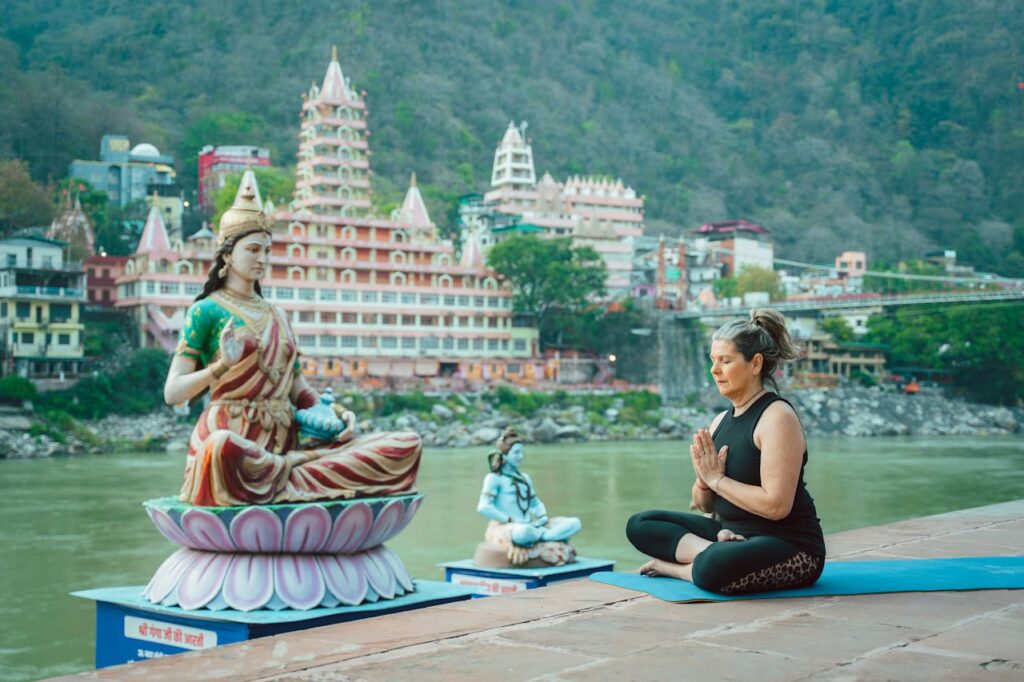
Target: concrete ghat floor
[[587, 631]]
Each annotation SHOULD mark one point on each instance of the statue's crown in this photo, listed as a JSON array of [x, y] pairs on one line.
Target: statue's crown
[[246, 213]]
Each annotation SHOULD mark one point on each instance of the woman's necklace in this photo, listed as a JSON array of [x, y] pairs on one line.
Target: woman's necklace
[[253, 305], [747, 401]]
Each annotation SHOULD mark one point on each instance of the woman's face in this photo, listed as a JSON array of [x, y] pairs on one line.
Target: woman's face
[[250, 257], [734, 375]]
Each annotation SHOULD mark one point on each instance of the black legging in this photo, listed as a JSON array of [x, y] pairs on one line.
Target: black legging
[[756, 564]]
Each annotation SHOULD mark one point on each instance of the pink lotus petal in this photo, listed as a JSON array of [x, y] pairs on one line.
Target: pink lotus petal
[[410, 511], [386, 520], [249, 583], [202, 580], [257, 530], [350, 529], [378, 574], [307, 529], [206, 531], [298, 580], [345, 579], [397, 567], [167, 576], [167, 527]]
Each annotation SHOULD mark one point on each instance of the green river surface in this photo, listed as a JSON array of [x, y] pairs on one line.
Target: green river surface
[[75, 523]]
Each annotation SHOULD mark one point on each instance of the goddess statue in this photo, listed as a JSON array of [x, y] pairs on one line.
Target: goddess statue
[[245, 448], [520, 533]]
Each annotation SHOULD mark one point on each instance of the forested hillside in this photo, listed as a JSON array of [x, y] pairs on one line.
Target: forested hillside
[[892, 125]]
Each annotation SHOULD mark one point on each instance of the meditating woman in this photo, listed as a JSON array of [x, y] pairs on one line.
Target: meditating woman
[[244, 449], [763, 532]]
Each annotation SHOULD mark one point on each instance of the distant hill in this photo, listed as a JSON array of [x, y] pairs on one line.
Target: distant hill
[[890, 125]]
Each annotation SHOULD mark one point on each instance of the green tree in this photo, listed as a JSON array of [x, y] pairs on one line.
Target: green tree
[[750, 279], [23, 203], [218, 128], [274, 183], [549, 275], [838, 328], [980, 346], [725, 287]]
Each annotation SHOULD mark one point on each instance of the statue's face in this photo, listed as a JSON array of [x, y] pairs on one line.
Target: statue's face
[[250, 257], [515, 455]]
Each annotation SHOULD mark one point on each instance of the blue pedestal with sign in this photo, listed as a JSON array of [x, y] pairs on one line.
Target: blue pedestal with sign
[[486, 582], [130, 628]]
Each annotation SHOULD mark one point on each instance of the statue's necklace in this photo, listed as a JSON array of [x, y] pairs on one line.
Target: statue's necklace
[[522, 490]]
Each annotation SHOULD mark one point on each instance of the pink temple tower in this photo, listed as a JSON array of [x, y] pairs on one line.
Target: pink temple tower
[[371, 298]]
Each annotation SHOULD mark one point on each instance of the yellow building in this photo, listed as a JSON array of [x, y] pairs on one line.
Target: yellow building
[[40, 316]]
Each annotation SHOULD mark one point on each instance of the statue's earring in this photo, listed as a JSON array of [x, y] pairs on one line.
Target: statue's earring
[[223, 272]]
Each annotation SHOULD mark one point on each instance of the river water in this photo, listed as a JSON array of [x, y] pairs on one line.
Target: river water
[[76, 523]]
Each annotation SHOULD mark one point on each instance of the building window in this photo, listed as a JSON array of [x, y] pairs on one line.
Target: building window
[[307, 294], [492, 301], [408, 320], [388, 297], [28, 337], [388, 342], [463, 300], [449, 300], [24, 309], [428, 320], [63, 339], [327, 341], [328, 318], [463, 344], [349, 341], [369, 297], [306, 316], [409, 298], [478, 344], [60, 312], [408, 342], [448, 343], [349, 318], [519, 344], [492, 344], [191, 289], [168, 288], [428, 299], [369, 342], [428, 343], [328, 295], [308, 340], [3, 309], [285, 293], [389, 319], [347, 295], [12, 260], [478, 301], [150, 288]]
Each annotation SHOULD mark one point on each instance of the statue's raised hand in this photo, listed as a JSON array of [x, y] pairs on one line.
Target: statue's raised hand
[[231, 346]]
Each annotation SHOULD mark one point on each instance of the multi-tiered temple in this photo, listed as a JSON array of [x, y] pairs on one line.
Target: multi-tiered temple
[[598, 212], [368, 296]]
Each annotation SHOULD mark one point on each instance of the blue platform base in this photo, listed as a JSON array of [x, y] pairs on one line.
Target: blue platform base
[[129, 628], [486, 582]]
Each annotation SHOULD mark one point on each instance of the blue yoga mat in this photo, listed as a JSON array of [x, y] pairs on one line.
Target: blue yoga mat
[[854, 577]]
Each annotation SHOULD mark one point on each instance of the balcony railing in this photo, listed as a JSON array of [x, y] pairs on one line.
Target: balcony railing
[[57, 292]]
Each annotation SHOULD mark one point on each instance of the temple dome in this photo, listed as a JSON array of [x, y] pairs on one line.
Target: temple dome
[[146, 149]]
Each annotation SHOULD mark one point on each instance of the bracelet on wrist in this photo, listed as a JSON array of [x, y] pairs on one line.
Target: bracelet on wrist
[[218, 369]]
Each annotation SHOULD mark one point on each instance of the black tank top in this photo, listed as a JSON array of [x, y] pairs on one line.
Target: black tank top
[[802, 527]]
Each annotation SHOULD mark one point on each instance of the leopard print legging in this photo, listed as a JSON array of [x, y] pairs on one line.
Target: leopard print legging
[[799, 571]]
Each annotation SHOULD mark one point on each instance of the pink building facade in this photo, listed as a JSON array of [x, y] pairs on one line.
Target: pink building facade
[[372, 299]]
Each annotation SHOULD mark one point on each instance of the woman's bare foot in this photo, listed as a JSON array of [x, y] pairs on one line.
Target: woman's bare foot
[[726, 535], [657, 567]]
